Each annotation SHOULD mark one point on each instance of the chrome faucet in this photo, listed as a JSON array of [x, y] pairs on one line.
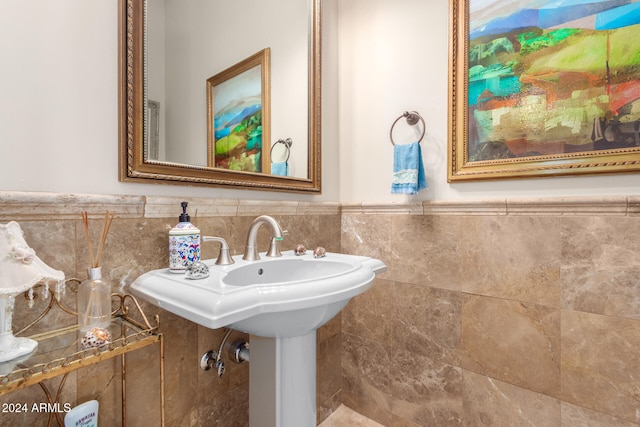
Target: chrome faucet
[[251, 248]]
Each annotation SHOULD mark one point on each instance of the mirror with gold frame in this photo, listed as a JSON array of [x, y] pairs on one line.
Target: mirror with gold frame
[[139, 157]]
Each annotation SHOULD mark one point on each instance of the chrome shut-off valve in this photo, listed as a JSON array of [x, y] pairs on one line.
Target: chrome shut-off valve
[[211, 359], [238, 352]]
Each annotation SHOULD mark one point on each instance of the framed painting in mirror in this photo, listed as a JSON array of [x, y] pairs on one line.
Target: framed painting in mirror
[[543, 89], [238, 116]]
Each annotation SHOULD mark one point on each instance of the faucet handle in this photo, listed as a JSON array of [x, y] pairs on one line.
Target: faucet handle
[[224, 257], [274, 249]]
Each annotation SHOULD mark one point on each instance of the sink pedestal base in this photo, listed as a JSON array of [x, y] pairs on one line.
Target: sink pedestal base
[[282, 381]]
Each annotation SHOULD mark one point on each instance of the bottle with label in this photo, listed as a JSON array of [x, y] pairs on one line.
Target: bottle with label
[[83, 415], [184, 243]]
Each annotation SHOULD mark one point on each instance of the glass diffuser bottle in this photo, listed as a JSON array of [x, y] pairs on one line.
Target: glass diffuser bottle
[[94, 302]]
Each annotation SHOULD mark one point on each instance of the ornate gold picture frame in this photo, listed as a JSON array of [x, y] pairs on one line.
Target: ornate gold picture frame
[[543, 91]]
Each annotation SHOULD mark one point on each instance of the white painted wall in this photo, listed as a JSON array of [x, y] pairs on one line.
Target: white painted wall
[[155, 61], [59, 115], [393, 57], [59, 105], [206, 37]]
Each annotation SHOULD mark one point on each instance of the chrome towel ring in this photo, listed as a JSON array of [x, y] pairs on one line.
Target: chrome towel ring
[[413, 117]]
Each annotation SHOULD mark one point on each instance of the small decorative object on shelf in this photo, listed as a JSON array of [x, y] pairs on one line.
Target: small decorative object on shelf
[[300, 250], [20, 271], [94, 294], [96, 337]]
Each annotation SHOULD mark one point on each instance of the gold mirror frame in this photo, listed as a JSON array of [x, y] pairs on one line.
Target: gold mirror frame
[[133, 167]]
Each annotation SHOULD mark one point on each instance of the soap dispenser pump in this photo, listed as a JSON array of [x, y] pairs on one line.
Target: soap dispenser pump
[[184, 243]]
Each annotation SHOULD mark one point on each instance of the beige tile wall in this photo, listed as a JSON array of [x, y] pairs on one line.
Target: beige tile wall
[[137, 243], [497, 313]]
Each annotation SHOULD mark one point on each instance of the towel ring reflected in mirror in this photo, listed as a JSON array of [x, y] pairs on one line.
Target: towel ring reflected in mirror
[[287, 143], [413, 117]]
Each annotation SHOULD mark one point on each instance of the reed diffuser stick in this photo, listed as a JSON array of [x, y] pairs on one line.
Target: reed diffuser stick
[[85, 220], [108, 218]]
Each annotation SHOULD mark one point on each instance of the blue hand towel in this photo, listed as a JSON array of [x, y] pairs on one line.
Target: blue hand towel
[[408, 170], [280, 168]]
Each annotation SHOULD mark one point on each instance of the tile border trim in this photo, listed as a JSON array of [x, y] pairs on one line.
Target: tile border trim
[[19, 205], [35, 206], [552, 206]]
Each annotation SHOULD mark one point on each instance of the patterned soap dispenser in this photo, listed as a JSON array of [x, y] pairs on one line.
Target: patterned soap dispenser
[[184, 243]]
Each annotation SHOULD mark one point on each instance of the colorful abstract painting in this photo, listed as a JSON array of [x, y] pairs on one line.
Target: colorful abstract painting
[[236, 103], [550, 80]]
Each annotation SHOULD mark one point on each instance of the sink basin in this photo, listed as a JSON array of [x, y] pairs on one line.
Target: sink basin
[[280, 302], [285, 271], [287, 296]]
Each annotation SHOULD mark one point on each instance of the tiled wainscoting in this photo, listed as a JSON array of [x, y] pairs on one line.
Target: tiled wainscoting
[[138, 242], [496, 313]]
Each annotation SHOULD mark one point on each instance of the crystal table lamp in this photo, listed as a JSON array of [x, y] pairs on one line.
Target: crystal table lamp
[[20, 269]]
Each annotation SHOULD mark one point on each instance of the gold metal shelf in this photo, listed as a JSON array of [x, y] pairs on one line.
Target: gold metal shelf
[[60, 351]]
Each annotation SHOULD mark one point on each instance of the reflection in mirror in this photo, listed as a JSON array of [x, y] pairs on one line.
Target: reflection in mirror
[[238, 116], [163, 95], [282, 162]]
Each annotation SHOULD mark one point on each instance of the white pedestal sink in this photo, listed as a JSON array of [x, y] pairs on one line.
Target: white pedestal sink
[[281, 302]]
